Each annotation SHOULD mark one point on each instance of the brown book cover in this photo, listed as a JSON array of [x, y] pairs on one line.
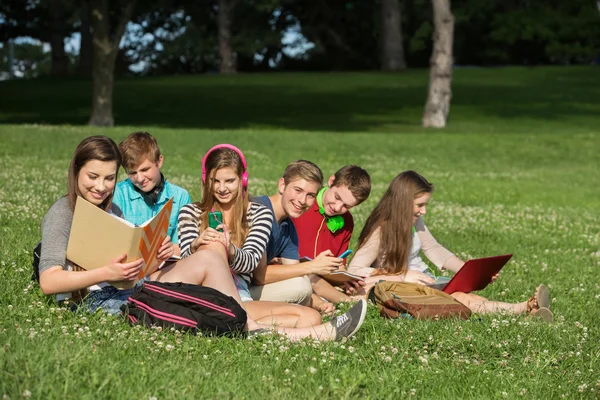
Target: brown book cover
[[98, 237], [339, 277]]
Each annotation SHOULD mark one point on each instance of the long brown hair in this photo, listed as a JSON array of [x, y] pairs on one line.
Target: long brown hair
[[101, 148], [393, 215], [238, 227]]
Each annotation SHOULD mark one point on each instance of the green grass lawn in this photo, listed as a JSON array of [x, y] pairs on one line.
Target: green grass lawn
[[516, 171]]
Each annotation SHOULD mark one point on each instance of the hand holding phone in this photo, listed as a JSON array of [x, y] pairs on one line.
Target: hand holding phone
[[215, 218], [345, 254]]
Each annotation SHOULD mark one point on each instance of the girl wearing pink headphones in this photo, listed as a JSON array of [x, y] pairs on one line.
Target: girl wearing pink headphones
[[226, 220]]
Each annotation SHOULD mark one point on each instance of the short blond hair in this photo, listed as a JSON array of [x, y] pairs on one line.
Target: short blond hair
[[303, 169], [137, 147]]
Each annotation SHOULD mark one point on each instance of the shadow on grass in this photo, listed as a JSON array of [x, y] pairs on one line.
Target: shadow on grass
[[329, 102]]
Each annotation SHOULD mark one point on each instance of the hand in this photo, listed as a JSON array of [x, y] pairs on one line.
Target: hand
[[352, 288], [166, 250], [326, 308], [418, 277], [275, 261], [119, 271], [208, 236], [221, 235], [324, 264], [496, 276]]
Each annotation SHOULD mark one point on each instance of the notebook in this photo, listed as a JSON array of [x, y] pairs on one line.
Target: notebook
[[475, 274], [337, 277]]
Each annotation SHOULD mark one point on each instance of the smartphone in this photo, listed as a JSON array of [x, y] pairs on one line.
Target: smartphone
[[345, 254], [215, 218]]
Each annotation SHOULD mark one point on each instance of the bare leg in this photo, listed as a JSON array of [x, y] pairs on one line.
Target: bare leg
[[207, 267], [481, 305], [324, 289], [282, 314]]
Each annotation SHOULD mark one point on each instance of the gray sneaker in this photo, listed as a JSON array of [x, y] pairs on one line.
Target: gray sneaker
[[348, 323]]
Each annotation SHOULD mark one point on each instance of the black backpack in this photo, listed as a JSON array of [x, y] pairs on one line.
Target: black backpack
[[186, 307], [35, 264]]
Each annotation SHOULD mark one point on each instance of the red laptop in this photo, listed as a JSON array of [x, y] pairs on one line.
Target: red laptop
[[476, 274]]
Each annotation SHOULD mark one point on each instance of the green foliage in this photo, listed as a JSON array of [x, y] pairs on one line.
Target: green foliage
[[516, 172], [534, 32], [30, 60], [345, 33], [185, 37]]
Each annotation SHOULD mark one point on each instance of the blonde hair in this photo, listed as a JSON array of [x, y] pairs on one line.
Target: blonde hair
[[137, 147], [303, 169], [238, 226]]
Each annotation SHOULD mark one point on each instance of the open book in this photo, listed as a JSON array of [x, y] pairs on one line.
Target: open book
[[339, 277], [98, 237], [336, 277]]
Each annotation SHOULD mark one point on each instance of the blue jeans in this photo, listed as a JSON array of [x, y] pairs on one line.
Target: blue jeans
[[109, 298]]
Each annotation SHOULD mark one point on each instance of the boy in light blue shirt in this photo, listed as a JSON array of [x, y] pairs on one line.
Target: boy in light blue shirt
[[145, 191]]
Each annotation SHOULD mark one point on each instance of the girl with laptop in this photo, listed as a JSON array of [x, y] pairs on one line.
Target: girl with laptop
[[394, 234]]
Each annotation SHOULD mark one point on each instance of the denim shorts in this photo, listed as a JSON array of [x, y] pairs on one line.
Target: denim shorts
[[109, 298], [242, 287]]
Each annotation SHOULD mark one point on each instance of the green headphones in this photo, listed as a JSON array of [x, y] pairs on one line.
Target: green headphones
[[333, 223]]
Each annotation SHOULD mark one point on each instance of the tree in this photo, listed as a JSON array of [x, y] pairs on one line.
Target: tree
[[30, 61], [437, 107], [344, 33], [108, 28], [225, 22], [60, 62], [49, 21], [392, 50], [86, 48]]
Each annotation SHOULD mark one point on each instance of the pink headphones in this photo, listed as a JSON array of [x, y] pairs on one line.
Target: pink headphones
[[230, 147]]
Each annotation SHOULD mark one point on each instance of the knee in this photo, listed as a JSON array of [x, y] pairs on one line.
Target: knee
[[304, 290], [214, 249], [309, 317], [209, 258]]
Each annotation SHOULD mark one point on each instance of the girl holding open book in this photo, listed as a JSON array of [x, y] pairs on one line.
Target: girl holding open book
[[92, 176], [394, 235], [240, 231]]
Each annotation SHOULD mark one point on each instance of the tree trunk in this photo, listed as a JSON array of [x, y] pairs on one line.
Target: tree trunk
[[86, 48], [225, 21], [437, 107], [60, 62], [392, 51], [106, 47]]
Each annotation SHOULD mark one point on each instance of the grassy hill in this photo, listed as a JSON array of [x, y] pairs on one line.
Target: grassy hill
[[516, 171]]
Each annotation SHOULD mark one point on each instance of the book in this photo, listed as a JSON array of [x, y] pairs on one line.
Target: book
[[340, 277], [476, 274], [336, 277], [98, 237]]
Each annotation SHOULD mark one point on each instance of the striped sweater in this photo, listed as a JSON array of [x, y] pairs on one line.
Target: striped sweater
[[246, 258]]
